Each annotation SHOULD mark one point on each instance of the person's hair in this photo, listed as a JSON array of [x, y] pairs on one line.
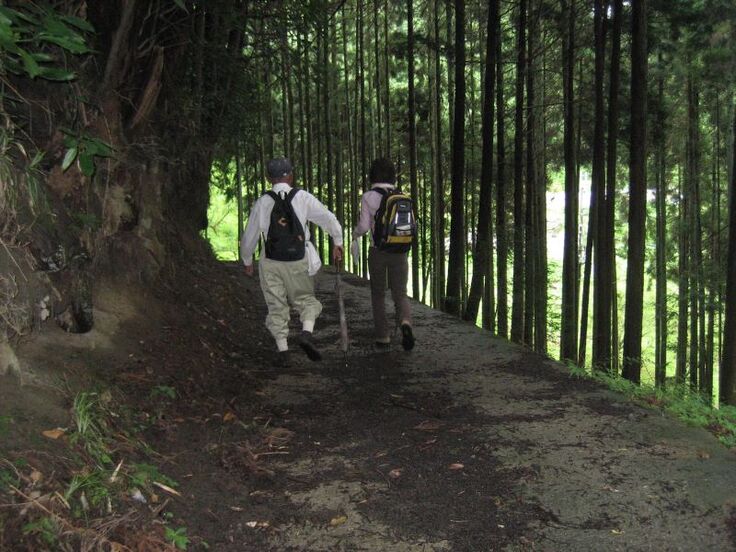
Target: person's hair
[[382, 170]]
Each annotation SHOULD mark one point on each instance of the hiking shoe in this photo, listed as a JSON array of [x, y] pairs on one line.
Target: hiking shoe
[[407, 337], [307, 344], [382, 346], [283, 359]]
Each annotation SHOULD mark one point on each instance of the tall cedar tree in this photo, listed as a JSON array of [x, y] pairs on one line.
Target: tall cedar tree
[[728, 361], [637, 195], [483, 242], [601, 295], [570, 276], [412, 140], [517, 304], [660, 360], [457, 239], [501, 229]]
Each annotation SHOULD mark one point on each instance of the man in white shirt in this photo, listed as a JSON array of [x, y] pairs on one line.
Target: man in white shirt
[[384, 265], [291, 281]]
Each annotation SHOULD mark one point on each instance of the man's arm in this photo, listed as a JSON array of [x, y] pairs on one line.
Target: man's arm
[[364, 220], [321, 215], [249, 240]]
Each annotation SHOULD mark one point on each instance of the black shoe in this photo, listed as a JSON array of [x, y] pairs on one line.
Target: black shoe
[[382, 346], [283, 359], [306, 343], [407, 337]]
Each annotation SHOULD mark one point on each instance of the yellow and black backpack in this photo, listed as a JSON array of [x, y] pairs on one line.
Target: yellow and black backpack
[[395, 226]]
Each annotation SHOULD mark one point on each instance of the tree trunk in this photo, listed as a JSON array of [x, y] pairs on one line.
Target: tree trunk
[[601, 295], [412, 142], [483, 252], [570, 280], [637, 195], [455, 272], [728, 361], [439, 192], [517, 312], [501, 229], [660, 362]]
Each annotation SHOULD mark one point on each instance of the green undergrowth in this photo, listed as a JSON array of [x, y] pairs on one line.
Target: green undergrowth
[[104, 472], [677, 399]]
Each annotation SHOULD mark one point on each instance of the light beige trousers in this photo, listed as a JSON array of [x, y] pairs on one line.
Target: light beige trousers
[[285, 283]]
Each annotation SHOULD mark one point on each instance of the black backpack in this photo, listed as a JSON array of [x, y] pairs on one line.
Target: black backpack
[[394, 226], [285, 239]]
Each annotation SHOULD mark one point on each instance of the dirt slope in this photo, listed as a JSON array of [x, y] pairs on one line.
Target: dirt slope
[[467, 443]]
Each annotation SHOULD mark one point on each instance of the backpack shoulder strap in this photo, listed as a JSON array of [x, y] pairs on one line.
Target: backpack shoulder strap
[[291, 195], [381, 191], [273, 195]]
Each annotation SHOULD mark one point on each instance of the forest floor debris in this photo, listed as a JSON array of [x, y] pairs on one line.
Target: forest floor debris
[[177, 432]]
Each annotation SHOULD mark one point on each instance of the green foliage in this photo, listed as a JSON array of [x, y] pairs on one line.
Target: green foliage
[[177, 537], [45, 528], [163, 391], [222, 231], [84, 148], [679, 400], [5, 422], [142, 475], [8, 477], [26, 33], [90, 419], [91, 489]]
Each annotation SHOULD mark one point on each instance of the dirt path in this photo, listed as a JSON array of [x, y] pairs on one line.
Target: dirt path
[[467, 443]]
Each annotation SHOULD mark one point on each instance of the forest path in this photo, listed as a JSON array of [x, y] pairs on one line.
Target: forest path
[[467, 443]]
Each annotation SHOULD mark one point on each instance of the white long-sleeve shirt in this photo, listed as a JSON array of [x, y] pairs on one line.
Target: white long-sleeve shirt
[[307, 209]]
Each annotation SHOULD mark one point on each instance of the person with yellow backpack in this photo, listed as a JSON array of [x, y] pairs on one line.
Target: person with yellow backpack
[[389, 215]]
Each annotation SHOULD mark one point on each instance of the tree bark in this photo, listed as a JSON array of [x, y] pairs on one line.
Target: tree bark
[[727, 390], [483, 249], [570, 280], [637, 195], [517, 307], [412, 141], [601, 295], [501, 229], [455, 272]]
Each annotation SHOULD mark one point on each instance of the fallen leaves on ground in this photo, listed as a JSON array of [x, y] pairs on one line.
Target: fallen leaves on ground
[[339, 520], [54, 433], [395, 473], [429, 425]]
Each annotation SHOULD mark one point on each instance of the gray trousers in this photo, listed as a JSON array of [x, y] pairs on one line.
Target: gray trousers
[[283, 283], [393, 267]]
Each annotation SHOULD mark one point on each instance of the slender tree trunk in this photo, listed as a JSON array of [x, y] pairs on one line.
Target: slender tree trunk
[[501, 229], [660, 362], [363, 163], [601, 295], [637, 194], [412, 142], [569, 322], [483, 252], [239, 184], [439, 195], [530, 237], [387, 81], [609, 318], [727, 389], [683, 284], [692, 177], [517, 312], [455, 270]]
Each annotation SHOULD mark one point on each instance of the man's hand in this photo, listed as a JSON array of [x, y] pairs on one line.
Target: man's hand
[[249, 270], [337, 253]]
